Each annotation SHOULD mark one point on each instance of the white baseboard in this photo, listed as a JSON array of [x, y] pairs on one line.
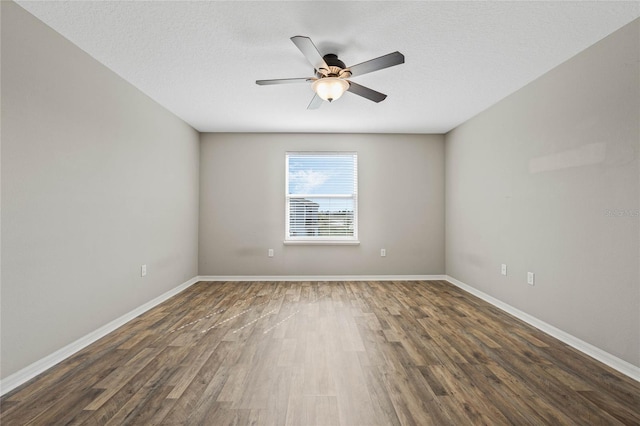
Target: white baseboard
[[321, 277], [612, 361], [16, 379]]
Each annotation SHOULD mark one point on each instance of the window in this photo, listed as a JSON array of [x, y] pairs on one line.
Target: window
[[321, 197]]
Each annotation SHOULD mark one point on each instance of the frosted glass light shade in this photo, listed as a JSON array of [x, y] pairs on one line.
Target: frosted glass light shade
[[330, 88]]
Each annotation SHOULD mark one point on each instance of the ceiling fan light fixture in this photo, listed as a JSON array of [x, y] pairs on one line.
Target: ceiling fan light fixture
[[330, 88]]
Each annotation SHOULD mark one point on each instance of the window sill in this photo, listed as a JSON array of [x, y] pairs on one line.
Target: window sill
[[321, 243]]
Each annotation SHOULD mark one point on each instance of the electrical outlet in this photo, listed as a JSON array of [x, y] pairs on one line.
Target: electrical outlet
[[270, 253], [143, 270], [383, 252], [530, 278], [503, 269]]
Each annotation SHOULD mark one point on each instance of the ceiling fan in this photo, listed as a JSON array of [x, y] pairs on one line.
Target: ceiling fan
[[331, 75]]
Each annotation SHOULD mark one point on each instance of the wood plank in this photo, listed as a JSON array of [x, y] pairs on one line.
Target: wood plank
[[305, 353]]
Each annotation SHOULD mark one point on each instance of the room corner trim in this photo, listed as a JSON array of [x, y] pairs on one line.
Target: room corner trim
[[612, 361], [22, 376], [321, 277]]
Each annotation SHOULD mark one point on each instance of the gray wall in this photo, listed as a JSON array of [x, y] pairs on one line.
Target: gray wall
[[547, 181], [242, 206], [97, 179]]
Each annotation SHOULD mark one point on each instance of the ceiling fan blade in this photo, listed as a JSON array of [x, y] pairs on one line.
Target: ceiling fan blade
[[365, 92], [386, 61], [310, 51], [285, 81], [315, 103]]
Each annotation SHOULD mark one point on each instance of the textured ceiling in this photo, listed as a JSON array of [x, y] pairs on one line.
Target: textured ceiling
[[200, 60]]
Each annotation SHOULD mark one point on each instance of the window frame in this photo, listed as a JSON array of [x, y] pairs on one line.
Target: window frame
[[321, 240]]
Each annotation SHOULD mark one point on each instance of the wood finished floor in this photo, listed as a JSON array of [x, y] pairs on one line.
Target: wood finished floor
[[333, 353]]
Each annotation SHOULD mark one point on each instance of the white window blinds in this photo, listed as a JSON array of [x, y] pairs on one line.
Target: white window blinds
[[321, 196]]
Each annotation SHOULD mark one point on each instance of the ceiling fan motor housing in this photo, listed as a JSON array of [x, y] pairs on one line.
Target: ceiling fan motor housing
[[332, 60], [336, 67]]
